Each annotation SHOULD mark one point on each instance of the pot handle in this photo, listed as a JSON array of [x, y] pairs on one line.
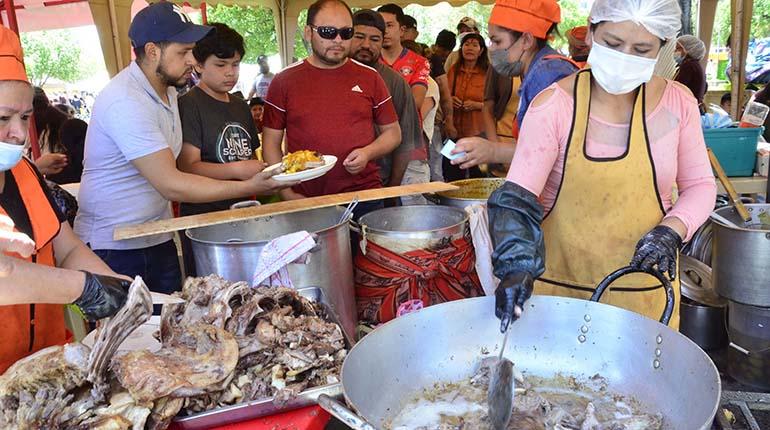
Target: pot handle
[[612, 277], [361, 230], [342, 413]]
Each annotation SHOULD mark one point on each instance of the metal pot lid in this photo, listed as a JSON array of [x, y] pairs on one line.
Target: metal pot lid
[[697, 285]]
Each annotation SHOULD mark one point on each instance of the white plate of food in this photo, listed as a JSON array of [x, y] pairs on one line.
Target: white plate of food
[[303, 166]]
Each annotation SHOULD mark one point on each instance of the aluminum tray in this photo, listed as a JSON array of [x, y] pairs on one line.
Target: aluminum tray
[[264, 407]]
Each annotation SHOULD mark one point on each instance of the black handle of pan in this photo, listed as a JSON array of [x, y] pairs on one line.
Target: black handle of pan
[[612, 277]]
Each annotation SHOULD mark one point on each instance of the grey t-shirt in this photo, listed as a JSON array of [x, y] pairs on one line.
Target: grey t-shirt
[[129, 121], [224, 132], [408, 118]]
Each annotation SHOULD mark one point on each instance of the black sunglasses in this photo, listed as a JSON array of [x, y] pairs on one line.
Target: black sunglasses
[[331, 33]]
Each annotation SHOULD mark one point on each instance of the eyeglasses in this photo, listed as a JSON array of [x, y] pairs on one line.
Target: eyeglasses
[[330, 33]]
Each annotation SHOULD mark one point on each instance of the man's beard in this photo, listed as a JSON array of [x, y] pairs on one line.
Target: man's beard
[[327, 60], [168, 79], [373, 58]]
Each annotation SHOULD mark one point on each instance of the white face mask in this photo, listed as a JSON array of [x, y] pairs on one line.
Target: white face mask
[[617, 72], [10, 155]]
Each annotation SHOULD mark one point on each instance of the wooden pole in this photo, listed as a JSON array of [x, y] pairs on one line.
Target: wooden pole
[[115, 35], [204, 14], [737, 73]]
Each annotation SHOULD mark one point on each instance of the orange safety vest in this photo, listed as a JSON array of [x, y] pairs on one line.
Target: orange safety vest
[[30, 328]]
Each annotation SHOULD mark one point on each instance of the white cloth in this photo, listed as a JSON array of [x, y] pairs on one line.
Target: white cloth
[[482, 244], [660, 17], [129, 121], [429, 122], [272, 268], [417, 172]]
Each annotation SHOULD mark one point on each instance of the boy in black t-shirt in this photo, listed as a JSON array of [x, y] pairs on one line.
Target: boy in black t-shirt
[[220, 138]]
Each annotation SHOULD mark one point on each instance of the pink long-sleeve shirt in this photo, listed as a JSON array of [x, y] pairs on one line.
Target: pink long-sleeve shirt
[[676, 141]]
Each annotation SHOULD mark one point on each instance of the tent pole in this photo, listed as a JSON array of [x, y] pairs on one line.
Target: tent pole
[[204, 15], [10, 13], [115, 34], [737, 65]]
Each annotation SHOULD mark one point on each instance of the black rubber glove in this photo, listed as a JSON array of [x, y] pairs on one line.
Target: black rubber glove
[[513, 291], [515, 215], [659, 247], [102, 296]]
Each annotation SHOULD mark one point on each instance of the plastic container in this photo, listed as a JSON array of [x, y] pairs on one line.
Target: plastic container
[[735, 148], [754, 115]]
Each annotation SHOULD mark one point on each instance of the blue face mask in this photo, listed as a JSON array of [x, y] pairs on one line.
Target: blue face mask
[[10, 155]]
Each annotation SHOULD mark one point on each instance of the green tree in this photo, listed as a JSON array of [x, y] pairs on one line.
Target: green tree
[[760, 21], [255, 24], [572, 15], [300, 46], [51, 54]]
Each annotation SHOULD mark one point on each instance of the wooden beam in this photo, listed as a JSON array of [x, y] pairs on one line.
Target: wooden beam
[[707, 10], [741, 11], [290, 206]]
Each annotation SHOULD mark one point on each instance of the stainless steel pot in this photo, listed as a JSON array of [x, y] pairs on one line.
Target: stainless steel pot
[[748, 358], [472, 191], [740, 256], [232, 251], [637, 356], [704, 325], [406, 228]]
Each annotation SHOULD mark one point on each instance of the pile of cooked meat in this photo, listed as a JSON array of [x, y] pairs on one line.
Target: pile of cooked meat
[[285, 343], [228, 343]]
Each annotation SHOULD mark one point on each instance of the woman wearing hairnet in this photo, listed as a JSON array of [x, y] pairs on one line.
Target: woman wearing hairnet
[[689, 52], [590, 186]]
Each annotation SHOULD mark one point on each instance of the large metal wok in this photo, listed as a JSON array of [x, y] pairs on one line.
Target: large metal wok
[[637, 356]]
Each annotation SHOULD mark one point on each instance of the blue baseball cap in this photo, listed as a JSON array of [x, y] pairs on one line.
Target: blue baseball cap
[[164, 22]]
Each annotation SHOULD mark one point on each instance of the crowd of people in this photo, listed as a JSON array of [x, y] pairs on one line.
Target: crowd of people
[[383, 105]]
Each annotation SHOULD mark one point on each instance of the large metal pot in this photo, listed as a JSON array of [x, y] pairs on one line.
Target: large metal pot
[[406, 228], [704, 325], [740, 256], [637, 356], [472, 191], [232, 251], [748, 358]]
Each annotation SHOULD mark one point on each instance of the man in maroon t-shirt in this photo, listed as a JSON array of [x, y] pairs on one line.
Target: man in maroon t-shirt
[[331, 104]]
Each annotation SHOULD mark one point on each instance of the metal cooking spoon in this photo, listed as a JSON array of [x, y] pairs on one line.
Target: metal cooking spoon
[[501, 387]]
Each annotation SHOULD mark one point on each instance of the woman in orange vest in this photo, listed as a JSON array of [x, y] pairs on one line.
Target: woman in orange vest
[[519, 31], [35, 238]]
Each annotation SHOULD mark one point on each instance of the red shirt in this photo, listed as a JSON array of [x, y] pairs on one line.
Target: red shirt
[[412, 66], [332, 111], [415, 69]]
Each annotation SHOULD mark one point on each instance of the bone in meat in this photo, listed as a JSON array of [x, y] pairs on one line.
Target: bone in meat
[[194, 361], [135, 312]]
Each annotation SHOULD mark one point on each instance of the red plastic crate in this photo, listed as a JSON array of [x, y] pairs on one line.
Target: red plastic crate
[[309, 418]]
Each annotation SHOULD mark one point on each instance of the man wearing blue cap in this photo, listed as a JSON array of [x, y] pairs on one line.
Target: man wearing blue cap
[[133, 141]]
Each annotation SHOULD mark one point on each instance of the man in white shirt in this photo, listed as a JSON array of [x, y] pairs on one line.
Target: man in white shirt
[[133, 140], [262, 81]]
